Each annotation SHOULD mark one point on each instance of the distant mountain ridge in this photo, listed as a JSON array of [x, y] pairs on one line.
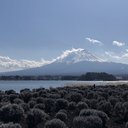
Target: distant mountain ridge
[[75, 62]]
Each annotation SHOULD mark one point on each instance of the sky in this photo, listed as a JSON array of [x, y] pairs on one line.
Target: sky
[[34, 32]]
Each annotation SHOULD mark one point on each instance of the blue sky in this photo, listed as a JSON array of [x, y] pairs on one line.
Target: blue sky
[[33, 30]]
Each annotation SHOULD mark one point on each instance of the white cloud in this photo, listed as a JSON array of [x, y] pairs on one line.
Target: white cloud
[[111, 54], [67, 52], [118, 43], [125, 55], [127, 50], [6, 62], [94, 41]]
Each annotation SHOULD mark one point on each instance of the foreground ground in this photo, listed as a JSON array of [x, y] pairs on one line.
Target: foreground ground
[[72, 107]]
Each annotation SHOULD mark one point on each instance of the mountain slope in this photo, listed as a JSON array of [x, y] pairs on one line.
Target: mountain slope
[[75, 62]]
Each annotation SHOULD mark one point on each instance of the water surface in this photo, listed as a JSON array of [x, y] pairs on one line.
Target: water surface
[[18, 85]]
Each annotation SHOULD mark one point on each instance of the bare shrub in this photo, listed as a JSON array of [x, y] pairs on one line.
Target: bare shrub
[[119, 109], [61, 104], [61, 115], [63, 110], [26, 96], [40, 100], [10, 125], [87, 122], [82, 105], [36, 116], [55, 123], [100, 114], [49, 104], [71, 105], [10, 92], [76, 97], [32, 103], [92, 95], [11, 112], [40, 106], [13, 97], [113, 101], [25, 106], [93, 103], [126, 125], [105, 107], [18, 101]]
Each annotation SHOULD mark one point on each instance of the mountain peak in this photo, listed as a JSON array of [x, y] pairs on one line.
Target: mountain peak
[[77, 55]]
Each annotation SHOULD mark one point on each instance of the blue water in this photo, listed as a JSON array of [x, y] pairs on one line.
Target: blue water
[[18, 85]]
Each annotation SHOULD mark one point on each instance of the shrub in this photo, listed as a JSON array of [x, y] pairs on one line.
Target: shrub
[[39, 89], [40, 100], [3, 103], [62, 93], [42, 92], [40, 106], [71, 105], [55, 123], [126, 125], [49, 104], [87, 101], [54, 96], [18, 101], [93, 103], [32, 103], [100, 114], [92, 95], [103, 94], [10, 92], [119, 109], [125, 105], [45, 95], [113, 101], [26, 96], [105, 107], [61, 115], [61, 104], [35, 94], [82, 105], [25, 90], [36, 116], [13, 97], [11, 112], [101, 99], [76, 97], [125, 95], [25, 106], [10, 125], [63, 110], [5, 98], [87, 122]]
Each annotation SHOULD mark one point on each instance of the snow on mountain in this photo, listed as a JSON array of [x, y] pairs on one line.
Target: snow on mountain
[[77, 55]]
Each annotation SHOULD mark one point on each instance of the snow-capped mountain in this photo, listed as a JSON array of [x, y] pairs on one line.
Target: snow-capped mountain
[[78, 55], [75, 62]]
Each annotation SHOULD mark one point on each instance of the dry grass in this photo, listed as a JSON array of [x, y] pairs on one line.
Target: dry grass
[[117, 83], [99, 83]]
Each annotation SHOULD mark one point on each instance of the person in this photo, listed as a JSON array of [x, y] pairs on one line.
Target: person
[[94, 85]]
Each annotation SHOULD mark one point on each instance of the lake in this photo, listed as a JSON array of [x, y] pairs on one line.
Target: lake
[[18, 85]]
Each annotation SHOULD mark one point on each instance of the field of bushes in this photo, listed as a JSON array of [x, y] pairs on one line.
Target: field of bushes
[[65, 107]]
